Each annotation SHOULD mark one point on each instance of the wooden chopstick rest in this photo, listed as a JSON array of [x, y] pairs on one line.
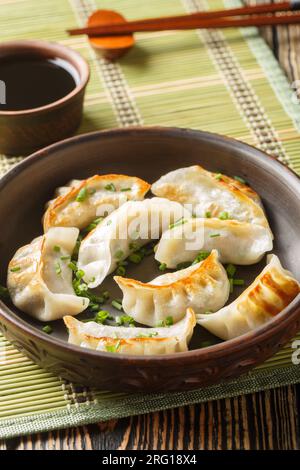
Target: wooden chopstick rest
[[110, 47]]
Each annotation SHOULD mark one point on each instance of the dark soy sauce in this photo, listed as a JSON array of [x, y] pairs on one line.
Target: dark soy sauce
[[31, 83]]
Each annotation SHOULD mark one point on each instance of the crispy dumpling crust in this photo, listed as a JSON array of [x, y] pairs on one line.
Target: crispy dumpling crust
[[65, 211], [203, 287], [272, 291], [207, 191], [138, 341]]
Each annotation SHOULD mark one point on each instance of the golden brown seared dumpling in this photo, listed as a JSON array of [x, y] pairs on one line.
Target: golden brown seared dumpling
[[211, 193], [92, 198], [203, 287], [126, 340], [267, 296], [39, 279]]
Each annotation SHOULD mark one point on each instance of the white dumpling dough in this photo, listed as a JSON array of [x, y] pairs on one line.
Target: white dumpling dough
[[134, 341], [135, 221], [40, 282], [237, 242], [204, 192], [203, 287]]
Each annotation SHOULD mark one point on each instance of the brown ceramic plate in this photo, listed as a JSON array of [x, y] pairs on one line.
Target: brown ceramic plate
[[148, 153]]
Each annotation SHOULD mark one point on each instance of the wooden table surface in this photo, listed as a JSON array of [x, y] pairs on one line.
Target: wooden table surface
[[266, 420]]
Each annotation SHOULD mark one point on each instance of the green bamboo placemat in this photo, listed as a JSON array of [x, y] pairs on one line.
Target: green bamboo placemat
[[226, 82]]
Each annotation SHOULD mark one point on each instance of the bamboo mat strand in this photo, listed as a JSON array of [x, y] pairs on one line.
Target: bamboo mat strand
[[226, 82]]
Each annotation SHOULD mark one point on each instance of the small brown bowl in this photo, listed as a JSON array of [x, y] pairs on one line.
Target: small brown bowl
[[148, 153], [24, 131]]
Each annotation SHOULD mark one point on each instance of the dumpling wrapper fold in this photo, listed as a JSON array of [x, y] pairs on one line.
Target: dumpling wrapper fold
[[237, 242], [205, 192], [40, 282], [136, 222], [272, 291], [202, 287], [134, 341], [102, 194]]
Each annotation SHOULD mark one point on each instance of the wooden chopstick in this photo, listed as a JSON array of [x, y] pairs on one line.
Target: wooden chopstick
[[213, 19]]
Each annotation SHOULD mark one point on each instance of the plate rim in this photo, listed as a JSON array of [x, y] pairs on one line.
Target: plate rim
[[225, 348]]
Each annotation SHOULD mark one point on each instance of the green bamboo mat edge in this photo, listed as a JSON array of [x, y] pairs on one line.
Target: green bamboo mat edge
[[140, 404], [271, 67], [255, 381]]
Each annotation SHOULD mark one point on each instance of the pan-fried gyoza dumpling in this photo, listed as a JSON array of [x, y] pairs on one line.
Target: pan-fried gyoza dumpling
[[141, 341], [236, 242], [211, 193], [268, 295], [62, 190], [134, 223], [39, 279], [203, 287], [92, 198]]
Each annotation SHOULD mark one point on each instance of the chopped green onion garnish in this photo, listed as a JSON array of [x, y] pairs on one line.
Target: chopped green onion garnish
[[110, 187], [113, 347], [105, 294], [77, 246], [94, 307], [119, 254], [93, 224], [208, 214], [102, 316], [183, 265], [79, 274], [162, 267], [56, 248], [219, 176], [117, 305], [4, 294], [123, 319], [65, 258], [82, 288], [213, 235], [92, 191], [47, 329], [177, 223], [135, 258], [58, 268], [167, 322], [15, 269], [231, 285], [73, 266], [231, 270], [150, 335], [240, 180], [202, 255], [133, 246], [223, 215], [121, 271], [125, 189], [82, 195], [238, 282]]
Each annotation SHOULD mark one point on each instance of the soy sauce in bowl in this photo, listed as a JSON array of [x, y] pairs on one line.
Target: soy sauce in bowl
[[34, 82]]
